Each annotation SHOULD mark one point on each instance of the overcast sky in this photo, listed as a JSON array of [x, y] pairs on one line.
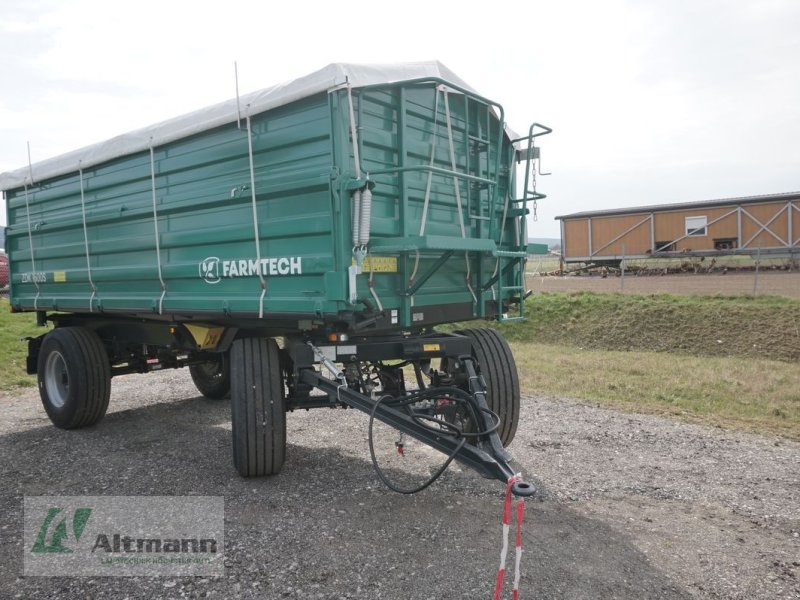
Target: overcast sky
[[651, 102]]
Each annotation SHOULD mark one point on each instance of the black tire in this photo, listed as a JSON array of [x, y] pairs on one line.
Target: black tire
[[258, 412], [213, 378], [499, 369], [74, 376]]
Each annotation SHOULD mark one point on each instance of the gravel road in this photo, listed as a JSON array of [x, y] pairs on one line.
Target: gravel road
[[632, 507]]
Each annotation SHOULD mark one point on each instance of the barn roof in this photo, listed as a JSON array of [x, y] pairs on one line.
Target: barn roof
[[785, 196]]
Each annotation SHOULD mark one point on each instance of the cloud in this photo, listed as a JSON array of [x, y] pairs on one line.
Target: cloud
[[650, 102]]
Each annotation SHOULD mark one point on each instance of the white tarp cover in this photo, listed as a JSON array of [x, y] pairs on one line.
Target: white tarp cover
[[219, 114]]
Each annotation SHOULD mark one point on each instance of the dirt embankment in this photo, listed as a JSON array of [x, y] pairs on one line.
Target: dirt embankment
[[701, 325]]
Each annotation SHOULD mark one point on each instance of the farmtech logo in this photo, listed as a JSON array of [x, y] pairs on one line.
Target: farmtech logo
[[212, 269], [123, 535]]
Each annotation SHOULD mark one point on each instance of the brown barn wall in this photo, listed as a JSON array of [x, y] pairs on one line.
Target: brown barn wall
[[672, 225], [605, 229], [669, 225], [764, 212], [576, 238], [796, 223]]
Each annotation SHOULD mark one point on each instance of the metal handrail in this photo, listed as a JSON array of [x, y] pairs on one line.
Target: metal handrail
[[436, 171], [470, 94], [532, 135]]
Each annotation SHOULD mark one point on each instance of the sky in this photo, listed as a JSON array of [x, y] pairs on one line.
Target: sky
[[650, 101]]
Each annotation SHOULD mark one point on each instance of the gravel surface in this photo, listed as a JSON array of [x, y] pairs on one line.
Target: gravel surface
[[632, 507]]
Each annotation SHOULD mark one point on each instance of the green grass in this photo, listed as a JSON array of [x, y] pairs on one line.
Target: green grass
[[729, 361], [757, 395], [13, 327], [764, 327], [651, 354]]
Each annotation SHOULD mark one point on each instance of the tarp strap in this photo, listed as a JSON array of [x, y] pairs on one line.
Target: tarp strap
[[356, 208], [426, 203], [155, 226], [30, 244], [500, 239], [255, 215], [372, 286], [469, 278], [86, 240], [457, 188], [502, 231]]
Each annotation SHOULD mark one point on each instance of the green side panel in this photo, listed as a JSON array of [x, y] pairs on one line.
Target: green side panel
[[204, 222], [403, 130], [199, 237], [537, 249]]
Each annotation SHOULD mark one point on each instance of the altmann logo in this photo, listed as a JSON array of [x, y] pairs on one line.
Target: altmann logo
[[54, 542], [123, 535], [212, 269], [125, 543]]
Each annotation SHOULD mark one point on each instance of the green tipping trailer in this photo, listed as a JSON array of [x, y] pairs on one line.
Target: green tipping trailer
[[346, 213]]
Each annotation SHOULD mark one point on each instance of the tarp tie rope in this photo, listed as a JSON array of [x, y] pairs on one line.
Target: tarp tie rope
[[469, 278], [155, 225], [501, 572], [372, 285], [30, 244], [500, 238], [86, 241], [356, 220], [457, 188], [255, 214], [424, 221]]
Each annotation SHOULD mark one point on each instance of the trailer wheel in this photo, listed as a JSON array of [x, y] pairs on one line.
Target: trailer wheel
[[213, 378], [258, 412], [499, 370], [74, 377]]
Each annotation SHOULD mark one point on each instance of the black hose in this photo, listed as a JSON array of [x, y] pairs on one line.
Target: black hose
[[450, 429]]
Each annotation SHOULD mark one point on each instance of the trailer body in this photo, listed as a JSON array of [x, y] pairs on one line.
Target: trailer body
[[169, 228], [346, 212]]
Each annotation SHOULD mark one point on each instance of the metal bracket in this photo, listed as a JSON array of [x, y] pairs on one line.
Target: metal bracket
[[360, 183], [418, 283]]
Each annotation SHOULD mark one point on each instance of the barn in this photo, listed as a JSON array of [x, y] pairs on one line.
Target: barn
[[768, 224]]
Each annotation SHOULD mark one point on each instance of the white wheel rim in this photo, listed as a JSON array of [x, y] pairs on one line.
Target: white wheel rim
[[56, 379]]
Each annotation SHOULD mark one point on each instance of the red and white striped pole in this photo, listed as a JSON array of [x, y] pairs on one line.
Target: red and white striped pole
[[501, 572]]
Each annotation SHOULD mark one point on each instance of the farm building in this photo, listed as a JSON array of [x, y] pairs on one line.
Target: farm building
[[756, 224]]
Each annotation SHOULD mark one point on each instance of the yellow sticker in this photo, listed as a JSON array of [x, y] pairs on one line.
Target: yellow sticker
[[60, 276], [430, 347], [379, 264], [205, 336]]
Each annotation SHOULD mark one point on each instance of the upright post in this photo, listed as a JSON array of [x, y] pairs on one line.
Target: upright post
[[622, 268], [758, 264]]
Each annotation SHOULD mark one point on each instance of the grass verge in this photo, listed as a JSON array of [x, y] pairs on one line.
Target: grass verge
[[575, 345], [12, 350], [758, 395], [764, 327]]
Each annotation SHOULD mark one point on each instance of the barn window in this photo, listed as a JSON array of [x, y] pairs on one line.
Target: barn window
[[665, 246], [696, 226], [725, 244]]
